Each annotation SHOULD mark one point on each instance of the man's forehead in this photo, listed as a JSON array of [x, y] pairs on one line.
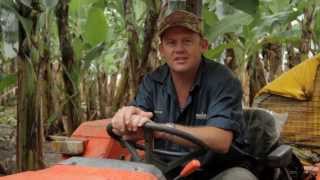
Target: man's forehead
[[179, 30]]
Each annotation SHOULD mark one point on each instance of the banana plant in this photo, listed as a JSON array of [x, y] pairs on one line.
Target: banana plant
[[317, 29], [250, 29], [262, 24], [7, 81]]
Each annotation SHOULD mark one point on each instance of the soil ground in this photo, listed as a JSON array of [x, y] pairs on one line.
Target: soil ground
[[8, 143]]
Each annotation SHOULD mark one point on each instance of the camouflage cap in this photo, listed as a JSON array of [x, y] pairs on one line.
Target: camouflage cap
[[181, 18]]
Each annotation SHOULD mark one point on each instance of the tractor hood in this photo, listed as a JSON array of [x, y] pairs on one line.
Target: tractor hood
[[78, 168]]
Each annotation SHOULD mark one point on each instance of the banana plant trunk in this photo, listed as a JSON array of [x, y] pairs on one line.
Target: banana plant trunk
[[103, 93], [70, 68], [230, 60], [194, 6], [122, 89], [92, 110], [133, 47], [307, 32], [111, 92], [150, 29], [272, 54], [257, 77], [138, 59], [29, 140]]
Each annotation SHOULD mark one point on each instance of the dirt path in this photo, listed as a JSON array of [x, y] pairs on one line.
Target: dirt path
[[8, 150]]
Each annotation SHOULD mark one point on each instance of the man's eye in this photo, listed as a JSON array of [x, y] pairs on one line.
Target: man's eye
[[171, 43], [187, 41]]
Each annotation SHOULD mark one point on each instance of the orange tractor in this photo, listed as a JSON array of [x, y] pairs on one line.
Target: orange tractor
[[102, 155]]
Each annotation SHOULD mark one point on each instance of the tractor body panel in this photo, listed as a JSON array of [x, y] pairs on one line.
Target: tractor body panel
[[78, 168], [98, 143]]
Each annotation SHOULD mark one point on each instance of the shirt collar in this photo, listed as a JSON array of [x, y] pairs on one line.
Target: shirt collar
[[161, 74], [197, 81]]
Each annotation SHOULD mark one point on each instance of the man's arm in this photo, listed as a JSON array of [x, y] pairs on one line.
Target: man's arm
[[217, 139], [223, 123]]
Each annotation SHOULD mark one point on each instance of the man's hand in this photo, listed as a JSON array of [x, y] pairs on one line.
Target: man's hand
[[127, 121], [134, 128]]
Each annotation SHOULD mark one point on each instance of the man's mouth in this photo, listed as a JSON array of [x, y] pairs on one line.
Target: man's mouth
[[180, 59]]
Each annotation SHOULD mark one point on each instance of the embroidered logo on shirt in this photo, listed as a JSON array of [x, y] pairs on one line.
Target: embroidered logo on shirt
[[201, 116], [158, 112]]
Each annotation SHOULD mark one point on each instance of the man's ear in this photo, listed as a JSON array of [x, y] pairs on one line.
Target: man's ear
[[204, 45]]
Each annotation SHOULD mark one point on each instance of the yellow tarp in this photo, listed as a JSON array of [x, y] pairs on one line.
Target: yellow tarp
[[297, 83]]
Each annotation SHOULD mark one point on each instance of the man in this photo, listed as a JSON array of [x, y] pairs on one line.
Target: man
[[189, 93]]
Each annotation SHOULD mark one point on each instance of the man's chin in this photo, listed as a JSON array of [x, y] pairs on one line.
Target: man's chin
[[180, 69]]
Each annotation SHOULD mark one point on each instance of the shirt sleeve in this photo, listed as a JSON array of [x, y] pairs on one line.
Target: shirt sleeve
[[225, 109], [143, 98]]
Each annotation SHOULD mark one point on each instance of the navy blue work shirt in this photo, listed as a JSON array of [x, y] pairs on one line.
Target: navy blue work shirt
[[214, 100]]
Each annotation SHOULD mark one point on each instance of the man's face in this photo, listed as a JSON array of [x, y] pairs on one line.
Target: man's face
[[182, 49]]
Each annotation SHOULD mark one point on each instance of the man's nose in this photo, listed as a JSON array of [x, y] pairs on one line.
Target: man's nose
[[180, 47]]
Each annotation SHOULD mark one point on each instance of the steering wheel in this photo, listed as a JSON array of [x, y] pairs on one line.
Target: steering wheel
[[150, 155]]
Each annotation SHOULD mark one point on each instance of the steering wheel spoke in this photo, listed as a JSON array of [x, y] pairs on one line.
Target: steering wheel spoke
[[149, 145], [124, 143]]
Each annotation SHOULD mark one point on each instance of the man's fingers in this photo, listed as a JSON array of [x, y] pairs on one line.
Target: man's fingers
[[146, 114], [129, 119], [131, 110], [121, 125], [133, 125], [136, 122], [118, 121], [128, 112], [142, 121]]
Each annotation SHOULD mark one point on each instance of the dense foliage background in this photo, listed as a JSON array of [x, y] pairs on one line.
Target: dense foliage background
[[65, 62]]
